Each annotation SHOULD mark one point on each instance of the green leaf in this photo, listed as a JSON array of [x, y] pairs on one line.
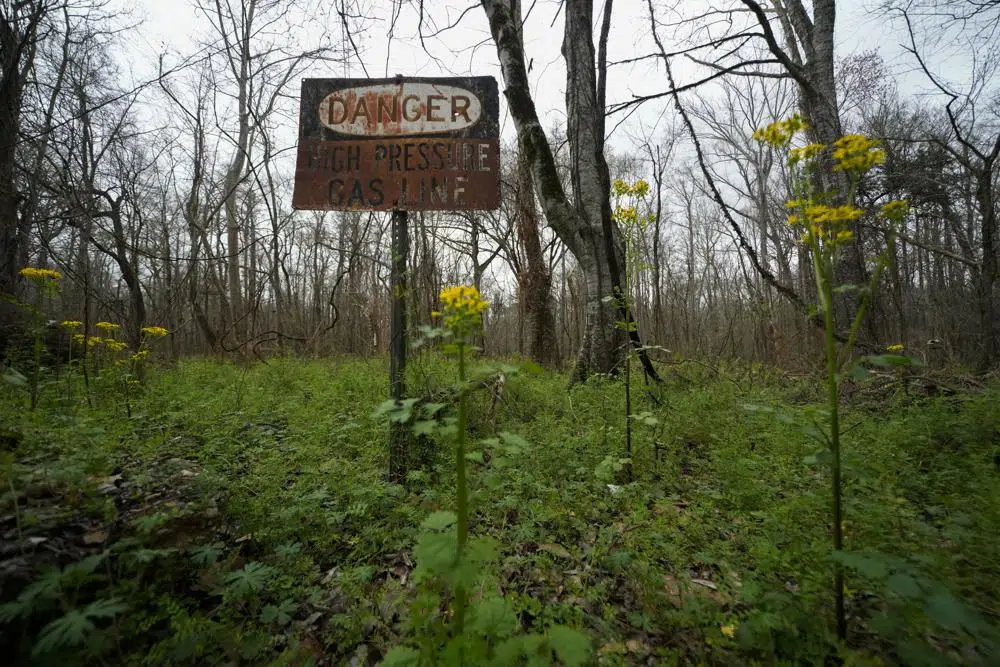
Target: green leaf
[[13, 378], [570, 646], [434, 554], [494, 618], [280, 614], [904, 586], [859, 372], [399, 412], [646, 418], [431, 409], [206, 555], [401, 656], [249, 580], [886, 360], [73, 629], [475, 457], [104, 608], [84, 566], [946, 610], [513, 440], [872, 566], [821, 456], [425, 427], [439, 521]]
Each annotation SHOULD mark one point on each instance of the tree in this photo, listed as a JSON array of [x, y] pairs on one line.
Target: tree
[[255, 53], [974, 142], [584, 223], [20, 26]]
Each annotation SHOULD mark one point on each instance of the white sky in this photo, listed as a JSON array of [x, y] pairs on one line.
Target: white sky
[[171, 26]]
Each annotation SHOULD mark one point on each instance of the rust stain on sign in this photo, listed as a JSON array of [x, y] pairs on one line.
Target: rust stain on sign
[[413, 144]]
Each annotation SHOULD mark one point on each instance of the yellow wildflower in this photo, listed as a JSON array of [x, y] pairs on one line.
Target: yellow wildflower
[[70, 324], [114, 345], [857, 154], [626, 215], [462, 309], [780, 134], [804, 154], [108, 326], [37, 274], [729, 630], [640, 188], [141, 355], [619, 188], [155, 332], [898, 347], [91, 342], [896, 210], [824, 224]]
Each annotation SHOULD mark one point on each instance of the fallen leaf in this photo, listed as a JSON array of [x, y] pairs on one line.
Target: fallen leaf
[[614, 648], [673, 590], [555, 550], [636, 646], [706, 583], [95, 537]]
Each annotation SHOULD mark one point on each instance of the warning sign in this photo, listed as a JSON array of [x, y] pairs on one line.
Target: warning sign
[[404, 144]]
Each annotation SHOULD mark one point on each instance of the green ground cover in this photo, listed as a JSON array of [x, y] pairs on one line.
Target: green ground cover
[[227, 515]]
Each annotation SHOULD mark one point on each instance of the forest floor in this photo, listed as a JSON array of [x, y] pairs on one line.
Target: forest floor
[[227, 515]]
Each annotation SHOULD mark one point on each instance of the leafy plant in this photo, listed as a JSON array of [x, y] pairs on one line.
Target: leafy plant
[[825, 229]]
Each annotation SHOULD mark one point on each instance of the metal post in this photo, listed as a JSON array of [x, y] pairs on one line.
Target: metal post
[[399, 436]]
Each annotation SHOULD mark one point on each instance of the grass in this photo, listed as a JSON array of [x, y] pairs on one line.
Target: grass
[[241, 516]]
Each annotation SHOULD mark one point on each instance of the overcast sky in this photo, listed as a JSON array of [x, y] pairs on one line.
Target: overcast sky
[[466, 49]]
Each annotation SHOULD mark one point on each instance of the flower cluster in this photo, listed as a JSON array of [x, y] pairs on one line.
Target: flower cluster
[[461, 309], [804, 154], [780, 134], [71, 324], [155, 332], [825, 225], [856, 154], [39, 275], [620, 188], [896, 210], [93, 341], [108, 326], [898, 347], [627, 215]]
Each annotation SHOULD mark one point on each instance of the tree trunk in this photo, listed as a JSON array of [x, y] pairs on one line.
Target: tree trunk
[[585, 227], [602, 250], [534, 279], [17, 49], [986, 202]]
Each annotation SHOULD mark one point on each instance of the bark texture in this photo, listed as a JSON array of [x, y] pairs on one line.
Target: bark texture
[[584, 225]]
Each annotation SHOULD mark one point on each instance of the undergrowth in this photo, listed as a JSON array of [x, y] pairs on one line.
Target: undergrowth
[[232, 515]]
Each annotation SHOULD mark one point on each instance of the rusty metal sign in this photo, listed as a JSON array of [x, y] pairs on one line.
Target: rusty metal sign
[[428, 144]]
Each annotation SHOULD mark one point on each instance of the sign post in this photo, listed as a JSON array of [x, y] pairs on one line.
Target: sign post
[[398, 437], [401, 144]]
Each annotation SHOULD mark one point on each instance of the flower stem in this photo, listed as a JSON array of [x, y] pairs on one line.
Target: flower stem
[[37, 371], [462, 491], [823, 265]]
